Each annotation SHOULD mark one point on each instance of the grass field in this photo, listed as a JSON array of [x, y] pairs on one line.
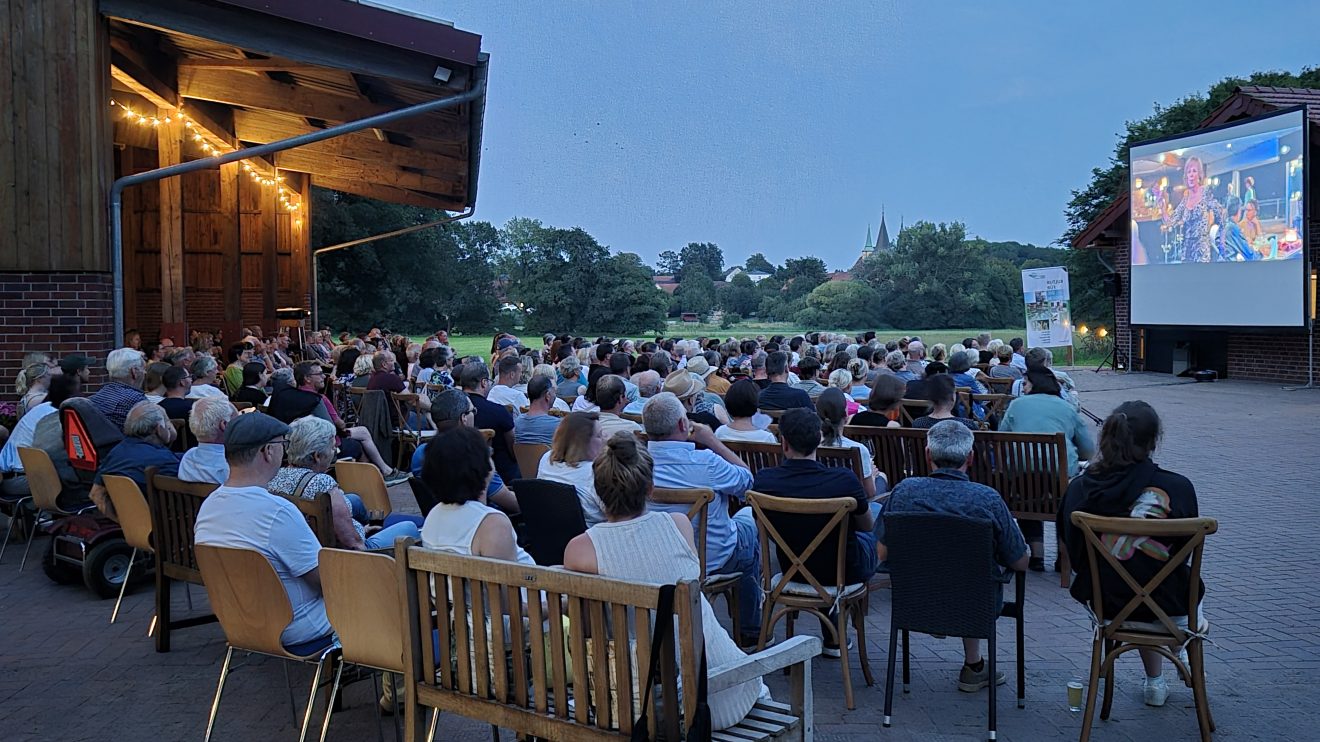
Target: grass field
[[479, 345]]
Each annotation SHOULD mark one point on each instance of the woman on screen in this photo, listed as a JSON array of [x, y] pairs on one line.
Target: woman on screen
[[1252, 231], [1190, 223]]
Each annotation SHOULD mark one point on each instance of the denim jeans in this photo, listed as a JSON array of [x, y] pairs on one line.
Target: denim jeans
[[385, 537], [746, 558], [359, 512]]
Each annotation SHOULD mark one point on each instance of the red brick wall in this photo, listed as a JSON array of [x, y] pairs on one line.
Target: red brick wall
[[59, 313]]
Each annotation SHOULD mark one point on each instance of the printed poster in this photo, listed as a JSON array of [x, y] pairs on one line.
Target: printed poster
[[1049, 319]]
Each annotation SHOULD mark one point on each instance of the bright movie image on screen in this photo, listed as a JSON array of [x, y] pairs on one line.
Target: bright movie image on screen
[[1217, 226]]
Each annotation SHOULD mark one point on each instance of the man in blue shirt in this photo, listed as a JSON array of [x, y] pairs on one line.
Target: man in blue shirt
[[948, 490], [801, 475], [452, 408], [732, 544], [778, 395], [148, 434], [475, 381], [537, 425]]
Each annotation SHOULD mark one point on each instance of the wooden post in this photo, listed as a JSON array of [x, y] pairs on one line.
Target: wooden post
[[169, 143], [231, 262], [270, 275]]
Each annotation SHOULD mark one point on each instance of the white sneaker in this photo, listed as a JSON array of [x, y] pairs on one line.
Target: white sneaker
[[1155, 690]]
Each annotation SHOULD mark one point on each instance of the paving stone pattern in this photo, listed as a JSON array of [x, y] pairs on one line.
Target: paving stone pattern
[[65, 673]]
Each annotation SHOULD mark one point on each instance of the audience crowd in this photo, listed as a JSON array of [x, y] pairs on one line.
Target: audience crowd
[[266, 419]]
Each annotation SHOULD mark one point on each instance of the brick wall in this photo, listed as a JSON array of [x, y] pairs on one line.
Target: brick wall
[[59, 313]]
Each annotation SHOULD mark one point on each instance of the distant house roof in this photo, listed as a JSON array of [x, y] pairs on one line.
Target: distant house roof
[[666, 284], [1110, 227], [840, 276]]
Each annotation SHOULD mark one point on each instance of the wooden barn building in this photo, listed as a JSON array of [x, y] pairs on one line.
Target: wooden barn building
[[94, 90]]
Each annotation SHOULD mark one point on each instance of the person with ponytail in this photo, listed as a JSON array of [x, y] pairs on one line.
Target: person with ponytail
[[832, 409], [623, 475], [1123, 482]]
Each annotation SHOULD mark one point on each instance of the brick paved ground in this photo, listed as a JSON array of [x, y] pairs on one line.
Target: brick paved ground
[[66, 674]]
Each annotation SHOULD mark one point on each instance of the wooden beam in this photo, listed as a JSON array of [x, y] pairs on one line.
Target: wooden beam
[[231, 262], [169, 151], [341, 167], [249, 65], [250, 91], [155, 97], [262, 128], [387, 193]]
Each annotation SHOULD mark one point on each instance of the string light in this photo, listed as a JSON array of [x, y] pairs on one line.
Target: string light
[[289, 199]]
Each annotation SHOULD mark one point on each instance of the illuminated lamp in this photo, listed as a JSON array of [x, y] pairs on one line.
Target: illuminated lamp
[[1083, 329], [1102, 332], [1285, 149]]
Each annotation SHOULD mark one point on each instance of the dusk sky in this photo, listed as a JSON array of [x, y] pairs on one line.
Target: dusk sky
[[785, 129]]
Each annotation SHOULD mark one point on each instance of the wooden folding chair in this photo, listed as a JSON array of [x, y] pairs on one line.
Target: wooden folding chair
[[757, 456], [911, 409], [365, 481], [174, 504], [1115, 635], [529, 457], [45, 486], [409, 431], [253, 608], [697, 500], [998, 385], [797, 589], [135, 518]]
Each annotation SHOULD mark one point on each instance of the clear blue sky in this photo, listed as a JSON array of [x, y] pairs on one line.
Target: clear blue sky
[[769, 128]]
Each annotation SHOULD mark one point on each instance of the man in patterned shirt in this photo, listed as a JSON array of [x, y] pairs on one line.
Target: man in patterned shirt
[[126, 368], [947, 490]]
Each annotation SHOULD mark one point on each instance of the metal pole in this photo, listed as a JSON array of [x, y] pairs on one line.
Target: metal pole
[[316, 254], [210, 163]]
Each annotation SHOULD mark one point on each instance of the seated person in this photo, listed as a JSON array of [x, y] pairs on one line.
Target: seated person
[[1123, 482], [115, 398], [841, 380], [649, 384], [577, 442], [452, 409], [178, 383], [777, 394], [508, 372], [153, 383], [1043, 410], [253, 391], [311, 454], [205, 462], [831, 409], [691, 391], [623, 476], [457, 467], [148, 434], [806, 371], [243, 514], [354, 442], [884, 402], [475, 382], [942, 394], [801, 475], [611, 398], [205, 378], [740, 402], [731, 540], [15, 484], [537, 425], [947, 490], [1005, 368]]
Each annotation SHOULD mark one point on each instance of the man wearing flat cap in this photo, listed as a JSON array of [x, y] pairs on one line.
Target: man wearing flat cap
[[243, 514]]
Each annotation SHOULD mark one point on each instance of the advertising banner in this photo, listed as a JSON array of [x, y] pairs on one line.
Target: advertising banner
[[1049, 318]]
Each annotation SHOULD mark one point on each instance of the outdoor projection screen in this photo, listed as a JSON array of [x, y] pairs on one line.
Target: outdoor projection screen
[[1217, 226]]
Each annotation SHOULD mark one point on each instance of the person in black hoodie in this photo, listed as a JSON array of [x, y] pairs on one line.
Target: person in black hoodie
[[1123, 482]]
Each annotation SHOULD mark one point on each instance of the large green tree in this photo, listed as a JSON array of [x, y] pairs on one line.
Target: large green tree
[[704, 255], [696, 291], [758, 263], [442, 277], [1085, 267], [738, 296], [841, 305]]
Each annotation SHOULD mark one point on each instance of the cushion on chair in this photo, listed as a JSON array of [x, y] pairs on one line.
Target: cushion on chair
[[806, 590]]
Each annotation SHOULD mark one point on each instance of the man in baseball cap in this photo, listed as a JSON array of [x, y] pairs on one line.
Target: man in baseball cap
[[77, 365], [243, 514]]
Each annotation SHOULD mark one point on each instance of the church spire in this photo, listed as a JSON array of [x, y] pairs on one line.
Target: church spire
[[869, 244], [882, 242]]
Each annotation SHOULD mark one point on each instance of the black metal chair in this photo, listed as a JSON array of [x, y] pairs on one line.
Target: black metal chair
[[555, 509], [423, 494], [945, 582]]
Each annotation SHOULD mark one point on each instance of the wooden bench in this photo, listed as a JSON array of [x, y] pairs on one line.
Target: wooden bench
[[899, 452], [174, 504], [456, 659], [760, 456]]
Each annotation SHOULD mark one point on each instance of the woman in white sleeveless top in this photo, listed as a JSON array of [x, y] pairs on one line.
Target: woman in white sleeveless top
[[623, 474], [458, 469]]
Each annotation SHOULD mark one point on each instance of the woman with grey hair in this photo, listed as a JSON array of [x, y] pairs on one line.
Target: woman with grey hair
[[548, 371], [311, 453], [570, 372], [205, 372]]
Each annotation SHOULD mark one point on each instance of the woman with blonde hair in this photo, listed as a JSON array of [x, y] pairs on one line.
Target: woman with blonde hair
[[576, 444], [859, 391], [939, 353], [34, 380], [623, 475], [842, 380]]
